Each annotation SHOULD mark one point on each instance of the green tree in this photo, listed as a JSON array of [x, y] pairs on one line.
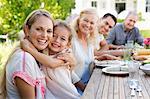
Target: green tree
[[14, 12]]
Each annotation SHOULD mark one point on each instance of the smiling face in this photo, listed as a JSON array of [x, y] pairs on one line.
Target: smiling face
[[60, 39], [106, 25], [130, 22], [87, 23], [40, 32]]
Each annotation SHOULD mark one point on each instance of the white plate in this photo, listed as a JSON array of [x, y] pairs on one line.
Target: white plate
[[116, 70], [108, 63]]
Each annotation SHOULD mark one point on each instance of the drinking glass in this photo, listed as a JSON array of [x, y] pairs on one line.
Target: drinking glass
[[133, 67], [130, 44], [128, 51]]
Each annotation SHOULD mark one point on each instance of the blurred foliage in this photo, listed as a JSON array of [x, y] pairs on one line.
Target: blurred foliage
[[14, 12], [140, 16], [5, 50], [120, 20], [145, 33]]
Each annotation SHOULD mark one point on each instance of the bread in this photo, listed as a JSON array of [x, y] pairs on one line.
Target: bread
[[146, 61], [143, 52]]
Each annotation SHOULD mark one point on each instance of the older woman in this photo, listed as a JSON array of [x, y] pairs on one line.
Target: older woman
[[84, 28]]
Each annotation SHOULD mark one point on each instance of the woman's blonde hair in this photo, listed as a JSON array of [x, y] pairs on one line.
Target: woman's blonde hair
[[32, 17], [75, 23]]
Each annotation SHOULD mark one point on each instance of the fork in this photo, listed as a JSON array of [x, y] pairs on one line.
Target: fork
[[139, 90], [133, 87]]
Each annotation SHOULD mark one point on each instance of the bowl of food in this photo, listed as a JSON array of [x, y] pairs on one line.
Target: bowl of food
[[146, 69]]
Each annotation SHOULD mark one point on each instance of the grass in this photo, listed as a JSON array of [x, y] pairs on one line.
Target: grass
[[145, 33]]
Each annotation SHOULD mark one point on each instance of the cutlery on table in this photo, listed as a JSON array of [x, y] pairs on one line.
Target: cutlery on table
[[139, 90], [133, 86]]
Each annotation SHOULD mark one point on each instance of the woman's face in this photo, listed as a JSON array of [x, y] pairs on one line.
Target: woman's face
[[87, 23], [40, 32], [60, 39]]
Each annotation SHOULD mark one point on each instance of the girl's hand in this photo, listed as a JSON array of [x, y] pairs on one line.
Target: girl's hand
[[27, 46], [68, 58]]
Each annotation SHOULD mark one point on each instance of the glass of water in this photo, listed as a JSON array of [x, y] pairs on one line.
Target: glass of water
[[133, 67]]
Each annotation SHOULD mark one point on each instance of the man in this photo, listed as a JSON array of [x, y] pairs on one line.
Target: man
[[125, 31], [106, 23]]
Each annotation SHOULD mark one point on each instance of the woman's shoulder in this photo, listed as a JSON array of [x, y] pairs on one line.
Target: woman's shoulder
[[19, 54]]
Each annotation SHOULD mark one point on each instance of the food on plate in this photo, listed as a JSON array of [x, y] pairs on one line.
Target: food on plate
[[140, 58], [143, 52], [146, 61]]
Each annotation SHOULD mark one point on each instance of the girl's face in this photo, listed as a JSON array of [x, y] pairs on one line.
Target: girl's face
[[87, 23], [40, 32], [60, 39]]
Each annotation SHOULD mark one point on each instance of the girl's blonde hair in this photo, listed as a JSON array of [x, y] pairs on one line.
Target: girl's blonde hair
[[60, 23], [32, 17]]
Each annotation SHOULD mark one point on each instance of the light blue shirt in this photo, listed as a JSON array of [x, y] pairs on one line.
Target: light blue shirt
[[118, 35]]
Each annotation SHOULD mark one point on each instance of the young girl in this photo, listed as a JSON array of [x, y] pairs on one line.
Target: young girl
[[62, 78], [23, 77]]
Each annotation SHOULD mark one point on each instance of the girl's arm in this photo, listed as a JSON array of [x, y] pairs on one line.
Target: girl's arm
[[42, 58], [68, 58], [25, 90]]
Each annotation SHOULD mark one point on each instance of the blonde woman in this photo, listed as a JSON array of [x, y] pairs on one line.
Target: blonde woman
[[84, 28], [24, 79]]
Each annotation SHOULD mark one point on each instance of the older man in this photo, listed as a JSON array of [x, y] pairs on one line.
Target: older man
[[125, 31]]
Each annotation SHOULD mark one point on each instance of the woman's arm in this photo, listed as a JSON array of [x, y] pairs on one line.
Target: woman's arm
[[42, 58], [25, 90]]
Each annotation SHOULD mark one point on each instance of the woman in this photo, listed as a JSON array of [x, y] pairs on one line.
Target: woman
[[24, 78], [83, 43]]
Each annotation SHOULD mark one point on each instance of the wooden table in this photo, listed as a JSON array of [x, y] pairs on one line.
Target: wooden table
[[104, 86]]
